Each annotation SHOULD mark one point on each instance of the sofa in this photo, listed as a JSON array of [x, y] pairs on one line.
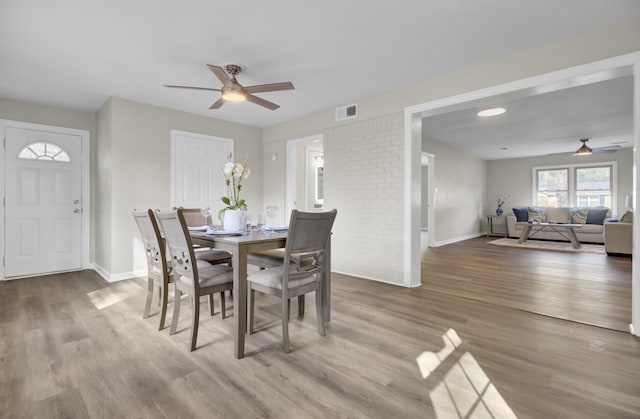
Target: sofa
[[618, 235], [592, 220]]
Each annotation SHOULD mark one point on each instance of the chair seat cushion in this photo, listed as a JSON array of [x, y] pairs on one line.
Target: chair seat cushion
[[211, 275], [272, 278], [212, 255]]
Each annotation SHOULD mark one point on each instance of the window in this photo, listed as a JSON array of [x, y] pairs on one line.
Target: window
[[575, 185], [43, 151]]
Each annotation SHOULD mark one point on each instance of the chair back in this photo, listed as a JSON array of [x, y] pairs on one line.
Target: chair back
[[154, 244], [180, 247], [193, 217], [307, 240]]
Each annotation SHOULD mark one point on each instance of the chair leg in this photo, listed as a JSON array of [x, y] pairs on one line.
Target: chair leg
[[288, 308], [319, 312], [222, 304], [285, 325], [301, 305], [147, 304], [176, 310], [211, 311], [252, 299], [159, 295], [194, 323], [164, 297]]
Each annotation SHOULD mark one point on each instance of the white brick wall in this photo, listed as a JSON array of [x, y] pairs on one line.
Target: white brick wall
[[364, 176]]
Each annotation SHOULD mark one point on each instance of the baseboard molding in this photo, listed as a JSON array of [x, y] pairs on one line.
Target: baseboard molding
[[458, 239], [117, 277], [370, 278]]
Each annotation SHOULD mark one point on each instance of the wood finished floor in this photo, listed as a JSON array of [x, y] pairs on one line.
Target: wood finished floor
[[73, 346]]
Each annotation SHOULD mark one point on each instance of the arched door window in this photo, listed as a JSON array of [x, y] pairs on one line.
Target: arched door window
[[43, 151]]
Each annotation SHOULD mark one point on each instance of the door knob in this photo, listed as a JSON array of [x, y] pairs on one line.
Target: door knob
[[77, 210], [76, 201]]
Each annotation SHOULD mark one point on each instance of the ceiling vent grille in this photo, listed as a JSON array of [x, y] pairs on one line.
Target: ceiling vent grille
[[346, 112]]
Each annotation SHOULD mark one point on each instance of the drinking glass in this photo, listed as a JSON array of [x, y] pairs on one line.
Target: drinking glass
[[260, 223], [272, 213], [206, 213]]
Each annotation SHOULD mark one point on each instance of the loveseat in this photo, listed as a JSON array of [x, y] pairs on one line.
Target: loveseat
[[592, 220]]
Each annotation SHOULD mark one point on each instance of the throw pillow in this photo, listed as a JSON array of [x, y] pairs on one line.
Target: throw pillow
[[579, 216], [536, 212], [522, 214], [597, 215], [627, 217]]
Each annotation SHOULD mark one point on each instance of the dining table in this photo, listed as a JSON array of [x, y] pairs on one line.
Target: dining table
[[240, 246]]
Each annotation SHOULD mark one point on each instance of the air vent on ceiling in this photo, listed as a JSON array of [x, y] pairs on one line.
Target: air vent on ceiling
[[346, 112]]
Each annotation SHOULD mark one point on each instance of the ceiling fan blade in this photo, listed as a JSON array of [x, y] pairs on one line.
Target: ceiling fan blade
[[192, 87], [271, 87], [259, 101], [220, 74], [218, 104], [607, 149]]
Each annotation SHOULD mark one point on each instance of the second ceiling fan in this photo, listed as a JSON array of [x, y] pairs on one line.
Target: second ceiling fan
[[232, 91]]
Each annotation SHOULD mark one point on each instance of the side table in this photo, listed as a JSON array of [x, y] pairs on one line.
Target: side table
[[490, 224]]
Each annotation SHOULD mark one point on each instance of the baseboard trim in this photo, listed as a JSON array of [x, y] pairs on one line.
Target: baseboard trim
[[117, 277], [370, 278], [458, 239]]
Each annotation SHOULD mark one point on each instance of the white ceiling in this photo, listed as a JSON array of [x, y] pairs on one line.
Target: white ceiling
[[77, 53], [542, 124]]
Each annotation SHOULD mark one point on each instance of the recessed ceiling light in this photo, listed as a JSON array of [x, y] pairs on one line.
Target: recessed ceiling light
[[492, 112]]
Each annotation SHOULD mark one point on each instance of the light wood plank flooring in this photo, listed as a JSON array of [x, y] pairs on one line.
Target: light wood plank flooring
[[73, 346]]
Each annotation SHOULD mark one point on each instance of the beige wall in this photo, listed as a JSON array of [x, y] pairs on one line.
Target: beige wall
[[514, 176], [138, 162], [461, 185], [46, 115]]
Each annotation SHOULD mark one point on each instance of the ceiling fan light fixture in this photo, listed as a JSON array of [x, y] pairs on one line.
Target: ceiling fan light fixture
[[584, 149], [492, 112], [233, 93]]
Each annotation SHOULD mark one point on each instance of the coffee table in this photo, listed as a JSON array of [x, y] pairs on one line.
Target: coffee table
[[565, 230]]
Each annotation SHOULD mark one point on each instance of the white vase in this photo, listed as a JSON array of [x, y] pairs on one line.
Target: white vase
[[233, 220]]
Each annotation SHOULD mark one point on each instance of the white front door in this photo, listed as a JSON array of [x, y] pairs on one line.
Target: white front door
[[43, 202], [197, 180]]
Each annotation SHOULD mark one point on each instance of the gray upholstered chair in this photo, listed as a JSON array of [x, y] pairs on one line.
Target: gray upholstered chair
[[191, 276], [301, 270], [194, 218], [159, 270], [618, 236]]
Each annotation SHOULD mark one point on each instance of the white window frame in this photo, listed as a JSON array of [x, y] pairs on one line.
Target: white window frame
[[572, 181]]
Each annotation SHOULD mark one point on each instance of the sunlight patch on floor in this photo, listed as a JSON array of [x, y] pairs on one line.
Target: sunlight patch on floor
[[113, 294], [465, 391]]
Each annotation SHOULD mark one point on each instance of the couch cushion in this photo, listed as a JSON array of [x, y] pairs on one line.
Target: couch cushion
[[597, 215], [536, 212], [590, 229], [522, 214], [579, 215], [557, 215]]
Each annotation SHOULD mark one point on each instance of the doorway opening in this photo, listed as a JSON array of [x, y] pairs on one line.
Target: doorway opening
[[305, 174]]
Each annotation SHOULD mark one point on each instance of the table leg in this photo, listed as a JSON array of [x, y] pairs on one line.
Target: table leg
[[525, 234], [239, 299], [326, 283], [574, 239]]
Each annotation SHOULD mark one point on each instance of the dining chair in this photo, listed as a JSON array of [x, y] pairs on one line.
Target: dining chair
[[190, 276], [194, 218], [301, 270], [159, 269]]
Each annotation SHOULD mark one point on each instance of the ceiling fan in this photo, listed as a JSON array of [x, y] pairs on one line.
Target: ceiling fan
[[232, 91], [585, 150]]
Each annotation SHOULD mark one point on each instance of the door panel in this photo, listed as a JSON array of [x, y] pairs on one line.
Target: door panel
[[43, 217], [198, 179]]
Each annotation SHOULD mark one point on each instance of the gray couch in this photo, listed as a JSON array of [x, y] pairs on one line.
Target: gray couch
[[592, 230]]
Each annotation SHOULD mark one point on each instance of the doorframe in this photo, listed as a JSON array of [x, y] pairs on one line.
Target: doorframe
[[85, 144], [628, 64], [429, 160], [291, 167]]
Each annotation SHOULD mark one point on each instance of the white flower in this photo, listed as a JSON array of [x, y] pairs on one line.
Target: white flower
[[233, 175]]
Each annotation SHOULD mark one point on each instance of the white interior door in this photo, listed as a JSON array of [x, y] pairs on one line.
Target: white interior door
[[43, 202], [196, 177]]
